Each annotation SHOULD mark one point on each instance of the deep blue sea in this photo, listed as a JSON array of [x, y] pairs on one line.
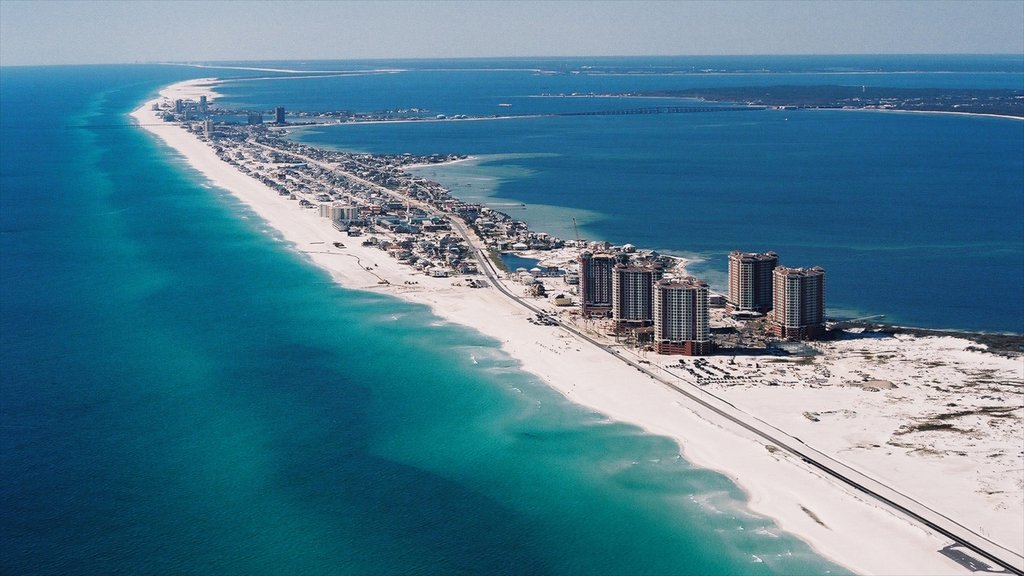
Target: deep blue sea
[[183, 393]]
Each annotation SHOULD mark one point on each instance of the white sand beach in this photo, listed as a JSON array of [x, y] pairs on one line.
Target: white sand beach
[[955, 473]]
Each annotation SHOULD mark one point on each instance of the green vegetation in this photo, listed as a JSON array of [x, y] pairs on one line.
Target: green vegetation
[[495, 255]]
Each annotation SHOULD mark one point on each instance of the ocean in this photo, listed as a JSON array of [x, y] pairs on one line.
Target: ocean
[[182, 392]]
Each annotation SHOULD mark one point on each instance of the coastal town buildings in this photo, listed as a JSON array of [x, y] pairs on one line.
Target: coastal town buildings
[[397, 224], [617, 283], [681, 318], [633, 294], [799, 311], [750, 281], [596, 284]]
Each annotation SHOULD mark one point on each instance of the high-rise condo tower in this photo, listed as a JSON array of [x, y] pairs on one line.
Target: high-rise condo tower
[[750, 280], [596, 284], [633, 294], [681, 319], [799, 311]]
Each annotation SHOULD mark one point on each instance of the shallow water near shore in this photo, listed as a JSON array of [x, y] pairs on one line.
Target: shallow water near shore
[[183, 393]]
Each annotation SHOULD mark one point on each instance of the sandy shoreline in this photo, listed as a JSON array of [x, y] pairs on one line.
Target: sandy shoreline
[[836, 520], [786, 109], [942, 112]]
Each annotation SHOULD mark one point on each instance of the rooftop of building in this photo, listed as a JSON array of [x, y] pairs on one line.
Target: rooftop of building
[[738, 254], [815, 271], [687, 282], [640, 267]]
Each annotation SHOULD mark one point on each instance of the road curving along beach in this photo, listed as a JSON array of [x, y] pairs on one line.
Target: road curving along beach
[[755, 429]]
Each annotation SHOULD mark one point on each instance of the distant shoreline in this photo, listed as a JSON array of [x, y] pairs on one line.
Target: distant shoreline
[[997, 342], [779, 487], [996, 103], [944, 112]]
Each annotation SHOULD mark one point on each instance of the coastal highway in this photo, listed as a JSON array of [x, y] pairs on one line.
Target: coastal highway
[[1009, 560]]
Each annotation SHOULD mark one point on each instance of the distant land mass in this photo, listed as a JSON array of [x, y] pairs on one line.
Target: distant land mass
[[999, 102]]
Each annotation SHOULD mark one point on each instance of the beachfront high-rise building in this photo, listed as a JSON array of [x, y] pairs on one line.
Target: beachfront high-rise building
[[338, 211], [799, 311], [202, 104], [633, 294], [596, 284], [279, 115], [179, 106], [681, 319], [750, 280]]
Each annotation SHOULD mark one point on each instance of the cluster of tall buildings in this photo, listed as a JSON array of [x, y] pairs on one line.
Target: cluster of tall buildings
[[190, 108], [256, 118], [793, 298], [671, 313]]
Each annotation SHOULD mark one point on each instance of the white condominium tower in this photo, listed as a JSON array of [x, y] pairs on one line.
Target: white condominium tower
[[681, 317]]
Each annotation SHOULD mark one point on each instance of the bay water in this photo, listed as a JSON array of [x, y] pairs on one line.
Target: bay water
[[917, 217]]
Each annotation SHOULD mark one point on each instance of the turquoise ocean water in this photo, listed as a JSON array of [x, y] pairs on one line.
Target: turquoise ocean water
[[184, 393]]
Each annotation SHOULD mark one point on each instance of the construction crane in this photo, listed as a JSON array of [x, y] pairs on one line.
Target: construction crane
[[577, 229]]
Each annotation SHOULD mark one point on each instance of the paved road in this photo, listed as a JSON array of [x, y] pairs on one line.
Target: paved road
[[1009, 560], [965, 537]]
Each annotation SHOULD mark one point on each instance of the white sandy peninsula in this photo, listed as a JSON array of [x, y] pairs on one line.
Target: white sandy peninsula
[[933, 435]]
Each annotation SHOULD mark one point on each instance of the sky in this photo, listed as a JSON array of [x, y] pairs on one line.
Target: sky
[[36, 32]]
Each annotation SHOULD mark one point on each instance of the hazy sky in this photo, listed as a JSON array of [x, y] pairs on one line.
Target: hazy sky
[[76, 32]]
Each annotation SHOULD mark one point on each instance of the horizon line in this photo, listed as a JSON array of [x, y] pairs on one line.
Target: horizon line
[[1019, 56]]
